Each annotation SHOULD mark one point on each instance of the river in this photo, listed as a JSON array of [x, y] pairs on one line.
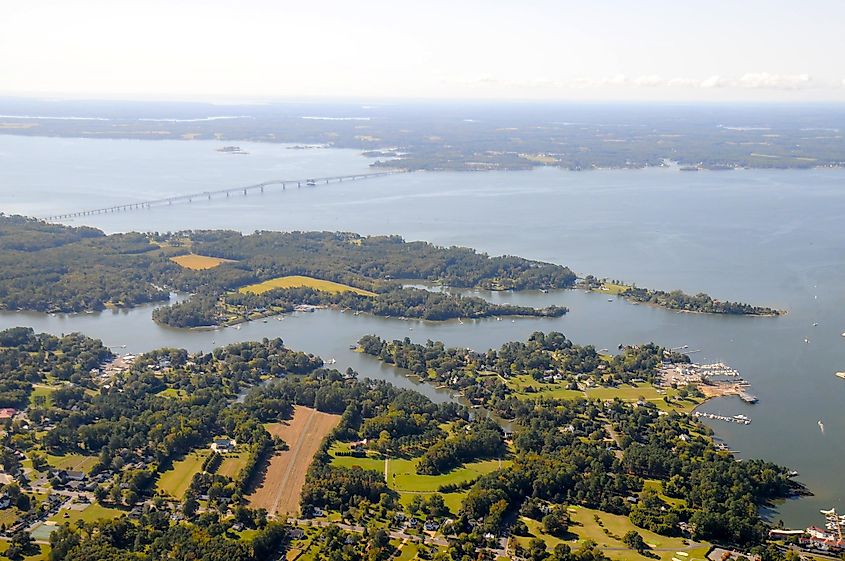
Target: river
[[767, 237]]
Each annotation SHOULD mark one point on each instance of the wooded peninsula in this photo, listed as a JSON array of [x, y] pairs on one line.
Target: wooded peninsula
[[234, 277]]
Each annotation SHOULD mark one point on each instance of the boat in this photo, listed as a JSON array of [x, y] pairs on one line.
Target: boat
[[310, 183], [840, 374], [610, 299], [821, 425]]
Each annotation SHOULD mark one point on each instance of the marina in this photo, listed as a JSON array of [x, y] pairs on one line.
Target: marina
[[739, 419]]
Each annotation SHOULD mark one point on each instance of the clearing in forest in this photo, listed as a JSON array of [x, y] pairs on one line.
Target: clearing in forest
[[198, 262], [279, 487], [298, 281]]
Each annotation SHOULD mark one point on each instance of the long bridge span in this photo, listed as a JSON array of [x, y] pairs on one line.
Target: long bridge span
[[209, 195]]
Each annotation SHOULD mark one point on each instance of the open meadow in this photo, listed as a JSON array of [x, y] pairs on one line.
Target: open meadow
[[297, 281], [198, 262], [607, 531], [177, 479]]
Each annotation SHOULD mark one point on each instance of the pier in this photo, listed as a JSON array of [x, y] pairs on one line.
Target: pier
[[224, 193], [740, 419]]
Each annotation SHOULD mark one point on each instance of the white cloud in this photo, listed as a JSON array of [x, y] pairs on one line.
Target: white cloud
[[764, 80]]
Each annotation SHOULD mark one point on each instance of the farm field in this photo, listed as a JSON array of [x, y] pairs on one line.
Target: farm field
[[297, 281], [198, 262], [607, 532], [177, 479], [280, 488]]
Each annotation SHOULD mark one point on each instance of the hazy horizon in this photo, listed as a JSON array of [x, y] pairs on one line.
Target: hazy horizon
[[255, 51]]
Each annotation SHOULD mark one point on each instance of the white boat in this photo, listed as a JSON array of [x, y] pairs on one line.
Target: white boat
[[840, 374]]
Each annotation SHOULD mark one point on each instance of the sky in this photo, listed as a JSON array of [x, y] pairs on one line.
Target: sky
[[259, 50]]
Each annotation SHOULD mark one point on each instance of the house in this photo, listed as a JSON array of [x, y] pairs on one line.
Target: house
[[75, 475], [431, 525], [223, 445], [7, 413], [296, 533]]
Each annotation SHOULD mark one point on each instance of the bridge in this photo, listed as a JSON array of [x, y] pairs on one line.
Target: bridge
[[209, 195]]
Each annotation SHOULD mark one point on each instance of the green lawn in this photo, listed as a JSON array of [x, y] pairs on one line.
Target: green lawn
[[41, 392], [613, 288], [521, 383], [408, 552], [176, 480], [91, 513], [72, 462], [232, 464], [584, 527], [403, 478], [657, 487], [174, 393], [647, 392], [9, 516]]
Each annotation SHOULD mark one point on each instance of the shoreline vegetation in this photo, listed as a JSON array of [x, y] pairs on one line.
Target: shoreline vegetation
[[234, 277], [676, 300]]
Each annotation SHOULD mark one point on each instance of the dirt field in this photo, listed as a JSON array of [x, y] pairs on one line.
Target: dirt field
[[278, 491]]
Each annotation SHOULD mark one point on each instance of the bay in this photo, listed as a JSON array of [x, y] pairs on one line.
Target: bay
[[767, 237]]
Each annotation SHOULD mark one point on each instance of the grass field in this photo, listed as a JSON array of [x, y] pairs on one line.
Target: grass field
[[91, 513], [647, 392], [408, 552], [232, 464], [625, 392], [551, 391], [177, 479], [608, 536], [39, 391], [613, 288], [174, 393], [402, 475], [198, 262], [72, 462], [300, 281], [9, 516], [280, 488]]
